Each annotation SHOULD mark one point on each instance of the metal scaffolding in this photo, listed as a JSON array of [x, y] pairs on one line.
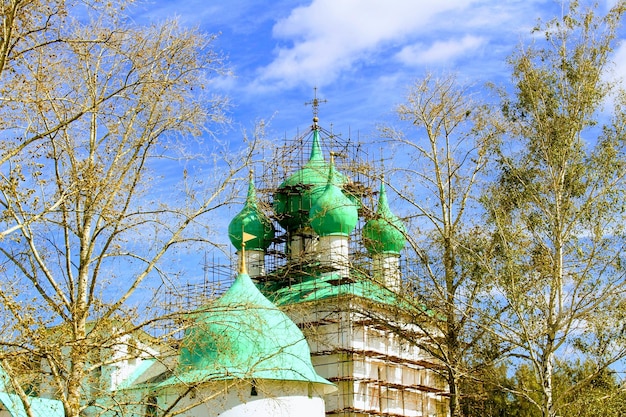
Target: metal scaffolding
[[377, 372]]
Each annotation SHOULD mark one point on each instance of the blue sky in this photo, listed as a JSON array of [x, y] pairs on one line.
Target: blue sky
[[361, 54]]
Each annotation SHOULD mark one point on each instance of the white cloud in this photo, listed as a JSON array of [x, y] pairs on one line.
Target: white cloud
[[618, 68], [440, 51], [328, 36]]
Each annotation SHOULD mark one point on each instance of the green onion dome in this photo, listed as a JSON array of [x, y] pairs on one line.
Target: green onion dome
[[242, 335], [385, 233], [253, 221], [296, 195], [333, 213]]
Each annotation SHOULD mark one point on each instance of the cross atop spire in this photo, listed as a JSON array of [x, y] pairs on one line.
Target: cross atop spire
[[315, 103]]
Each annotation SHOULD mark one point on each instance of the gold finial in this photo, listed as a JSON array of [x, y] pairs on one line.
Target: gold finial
[[242, 261], [315, 103]]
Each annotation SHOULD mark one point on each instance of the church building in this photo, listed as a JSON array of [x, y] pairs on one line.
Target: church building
[[316, 322], [348, 305]]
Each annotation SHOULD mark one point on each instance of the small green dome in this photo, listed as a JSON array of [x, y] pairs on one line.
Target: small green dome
[[242, 335], [333, 213], [253, 221], [385, 233], [296, 195]]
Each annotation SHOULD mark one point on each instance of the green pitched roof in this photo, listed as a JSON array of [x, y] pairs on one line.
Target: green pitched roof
[[41, 407], [316, 287], [324, 287], [244, 336]]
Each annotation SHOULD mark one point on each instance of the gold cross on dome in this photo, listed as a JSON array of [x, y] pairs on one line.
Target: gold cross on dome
[[315, 103]]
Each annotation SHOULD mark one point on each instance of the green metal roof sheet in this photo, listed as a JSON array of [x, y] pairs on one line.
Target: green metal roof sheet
[[244, 336]]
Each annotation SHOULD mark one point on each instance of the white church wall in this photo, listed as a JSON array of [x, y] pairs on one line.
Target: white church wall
[[342, 399], [268, 399], [374, 369]]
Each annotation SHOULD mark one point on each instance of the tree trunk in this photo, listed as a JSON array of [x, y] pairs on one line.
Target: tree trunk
[[455, 393], [548, 401]]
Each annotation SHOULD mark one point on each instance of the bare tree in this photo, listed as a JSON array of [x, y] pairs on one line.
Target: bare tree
[[557, 204], [93, 145], [445, 158], [33, 32]]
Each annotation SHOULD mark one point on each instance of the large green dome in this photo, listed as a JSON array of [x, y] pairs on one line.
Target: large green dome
[[296, 195], [333, 213], [242, 335], [253, 221], [385, 233]]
